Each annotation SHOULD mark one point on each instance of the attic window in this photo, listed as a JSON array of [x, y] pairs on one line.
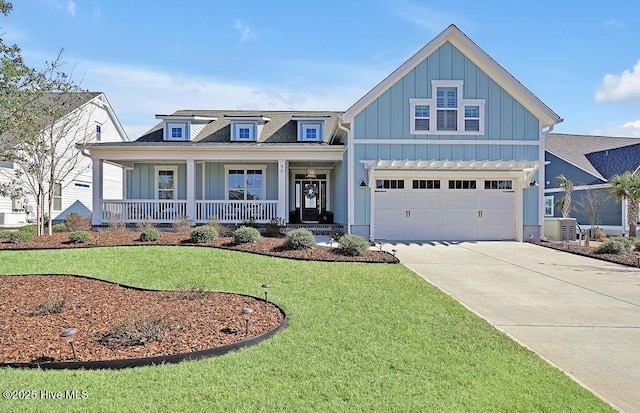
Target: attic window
[[244, 132], [175, 131], [454, 115], [310, 132]]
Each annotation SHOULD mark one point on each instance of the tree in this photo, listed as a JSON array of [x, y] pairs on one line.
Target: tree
[[591, 204], [36, 117], [565, 202], [626, 187]]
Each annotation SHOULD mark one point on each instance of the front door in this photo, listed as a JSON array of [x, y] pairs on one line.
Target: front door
[[311, 200]]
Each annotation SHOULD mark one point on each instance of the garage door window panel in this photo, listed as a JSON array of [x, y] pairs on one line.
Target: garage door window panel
[[462, 184]]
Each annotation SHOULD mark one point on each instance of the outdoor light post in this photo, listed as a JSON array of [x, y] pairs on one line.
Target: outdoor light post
[[266, 292], [68, 333], [247, 311]]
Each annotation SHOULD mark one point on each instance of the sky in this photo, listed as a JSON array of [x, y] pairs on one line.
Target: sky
[[581, 58]]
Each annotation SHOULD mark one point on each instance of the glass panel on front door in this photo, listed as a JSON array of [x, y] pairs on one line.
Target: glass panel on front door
[[310, 198]]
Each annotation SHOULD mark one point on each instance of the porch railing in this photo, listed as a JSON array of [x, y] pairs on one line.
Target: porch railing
[[158, 211], [236, 211], [142, 210]]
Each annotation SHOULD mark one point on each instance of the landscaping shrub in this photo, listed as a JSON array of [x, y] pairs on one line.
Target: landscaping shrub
[[49, 307], [205, 233], [245, 235], [116, 225], [31, 229], [223, 230], [21, 236], [59, 227], [628, 242], [150, 234], [353, 245], [613, 246], [5, 233], [136, 332], [182, 224], [637, 244], [299, 239], [76, 222], [274, 228], [79, 237]]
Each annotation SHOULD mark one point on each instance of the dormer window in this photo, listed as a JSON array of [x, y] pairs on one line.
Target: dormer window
[[310, 129], [179, 127], [246, 128], [244, 132], [176, 131]]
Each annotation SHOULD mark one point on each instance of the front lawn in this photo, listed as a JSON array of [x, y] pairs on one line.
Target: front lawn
[[361, 337]]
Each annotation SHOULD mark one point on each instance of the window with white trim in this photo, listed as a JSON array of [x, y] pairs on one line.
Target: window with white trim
[[310, 132], [176, 132], [98, 132], [390, 184], [245, 184], [57, 197], [498, 184], [166, 182], [243, 132], [453, 113], [548, 205], [462, 184]]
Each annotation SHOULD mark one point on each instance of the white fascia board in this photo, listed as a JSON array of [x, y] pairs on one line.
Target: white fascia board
[[186, 117], [579, 188], [105, 102], [310, 118], [247, 118], [476, 55]]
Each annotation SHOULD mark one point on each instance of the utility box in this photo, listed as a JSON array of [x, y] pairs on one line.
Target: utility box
[[12, 219], [560, 229]]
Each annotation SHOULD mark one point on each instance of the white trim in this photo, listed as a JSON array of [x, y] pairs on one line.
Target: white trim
[[578, 188], [545, 206], [186, 117], [304, 127], [479, 57], [235, 131], [184, 127], [422, 141], [473, 165], [174, 169], [244, 168]]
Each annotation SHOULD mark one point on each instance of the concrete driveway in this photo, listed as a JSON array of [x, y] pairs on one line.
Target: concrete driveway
[[581, 314]]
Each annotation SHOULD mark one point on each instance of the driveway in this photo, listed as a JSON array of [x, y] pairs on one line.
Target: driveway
[[580, 314]]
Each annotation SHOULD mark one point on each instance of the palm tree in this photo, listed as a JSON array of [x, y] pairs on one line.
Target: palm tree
[[565, 203], [627, 187]]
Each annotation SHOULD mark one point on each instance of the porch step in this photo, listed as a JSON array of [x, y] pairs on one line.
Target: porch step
[[318, 229]]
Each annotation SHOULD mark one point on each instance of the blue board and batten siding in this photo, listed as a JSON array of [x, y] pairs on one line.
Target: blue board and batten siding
[[388, 117]]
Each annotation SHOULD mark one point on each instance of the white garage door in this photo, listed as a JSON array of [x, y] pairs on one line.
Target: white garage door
[[457, 210]]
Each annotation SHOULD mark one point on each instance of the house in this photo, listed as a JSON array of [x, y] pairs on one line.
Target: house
[[590, 162], [90, 119], [447, 147]]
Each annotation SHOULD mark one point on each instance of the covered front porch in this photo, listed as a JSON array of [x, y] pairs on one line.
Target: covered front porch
[[294, 188]]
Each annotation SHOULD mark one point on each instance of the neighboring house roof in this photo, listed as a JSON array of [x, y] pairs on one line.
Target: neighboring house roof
[[281, 127], [601, 156], [478, 56]]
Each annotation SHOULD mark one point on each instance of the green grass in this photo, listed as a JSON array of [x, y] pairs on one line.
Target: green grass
[[361, 337]]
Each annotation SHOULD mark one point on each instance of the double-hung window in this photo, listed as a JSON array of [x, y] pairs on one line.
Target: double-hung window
[[245, 183], [166, 182], [453, 113], [57, 197]]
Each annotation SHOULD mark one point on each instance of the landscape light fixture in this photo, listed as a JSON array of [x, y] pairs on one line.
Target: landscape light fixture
[[266, 292], [68, 333], [246, 311]]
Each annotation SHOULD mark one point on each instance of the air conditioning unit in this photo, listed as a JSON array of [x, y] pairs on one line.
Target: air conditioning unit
[[12, 219], [560, 229], [17, 205]]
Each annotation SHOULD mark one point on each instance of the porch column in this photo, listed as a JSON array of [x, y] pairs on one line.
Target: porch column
[[191, 189], [282, 190], [97, 181]]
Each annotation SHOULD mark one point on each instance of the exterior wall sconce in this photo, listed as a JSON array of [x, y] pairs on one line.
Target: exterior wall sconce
[[363, 184]]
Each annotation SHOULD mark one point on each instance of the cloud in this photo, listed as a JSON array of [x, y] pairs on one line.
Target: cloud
[[138, 93], [630, 129], [426, 18], [615, 24], [71, 8], [97, 13], [245, 31], [620, 87]]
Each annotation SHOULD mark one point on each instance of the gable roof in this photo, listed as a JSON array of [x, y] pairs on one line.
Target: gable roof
[[478, 56], [600, 156], [281, 126]]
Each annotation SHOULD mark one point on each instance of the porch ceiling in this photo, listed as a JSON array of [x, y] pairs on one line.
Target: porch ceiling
[[473, 165]]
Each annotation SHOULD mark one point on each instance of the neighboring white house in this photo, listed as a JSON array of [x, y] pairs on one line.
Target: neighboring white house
[[94, 120]]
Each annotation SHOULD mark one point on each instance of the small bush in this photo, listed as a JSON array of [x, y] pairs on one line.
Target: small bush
[[191, 293], [203, 234], [150, 234], [613, 246], [79, 237], [116, 225], [274, 228], [59, 228], [299, 239], [223, 230], [21, 236], [76, 222], [182, 225], [31, 229], [49, 307], [136, 332], [245, 235], [5, 233], [628, 242], [353, 245]]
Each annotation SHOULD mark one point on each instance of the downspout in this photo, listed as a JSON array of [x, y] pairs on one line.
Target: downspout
[[350, 173]]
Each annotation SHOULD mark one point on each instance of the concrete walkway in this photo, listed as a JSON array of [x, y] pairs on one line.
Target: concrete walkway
[[581, 314]]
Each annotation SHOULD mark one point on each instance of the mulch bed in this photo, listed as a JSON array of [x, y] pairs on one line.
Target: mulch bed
[[32, 318], [629, 259], [266, 246]]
